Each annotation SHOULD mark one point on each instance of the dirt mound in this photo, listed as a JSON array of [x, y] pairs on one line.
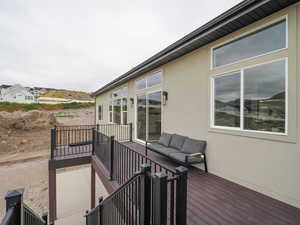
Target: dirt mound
[[26, 121]]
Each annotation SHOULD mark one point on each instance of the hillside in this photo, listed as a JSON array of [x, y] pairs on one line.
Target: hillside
[[78, 95]]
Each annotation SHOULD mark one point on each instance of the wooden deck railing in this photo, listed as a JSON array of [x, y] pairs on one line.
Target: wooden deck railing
[[122, 163], [17, 212]]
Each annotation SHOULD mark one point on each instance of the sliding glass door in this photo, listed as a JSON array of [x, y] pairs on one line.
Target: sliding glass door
[[141, 117], [148, 116]]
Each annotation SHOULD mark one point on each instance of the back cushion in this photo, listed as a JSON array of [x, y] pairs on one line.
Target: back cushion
[[177, 141], [193, 146], [165, 139]]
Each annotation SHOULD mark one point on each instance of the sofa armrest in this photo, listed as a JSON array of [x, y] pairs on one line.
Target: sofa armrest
[[196, 154]]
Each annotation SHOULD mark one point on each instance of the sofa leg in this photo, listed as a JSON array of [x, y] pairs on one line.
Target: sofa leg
[[146, 150], [205, 164]]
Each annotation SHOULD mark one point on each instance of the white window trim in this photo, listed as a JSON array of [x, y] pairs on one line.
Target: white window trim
[[121, 111], [146, 80], [241, 128], [285, 17], [147, 114]]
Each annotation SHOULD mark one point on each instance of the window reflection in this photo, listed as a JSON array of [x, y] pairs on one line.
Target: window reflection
[[264, 97], [258, 43], [227, 100]]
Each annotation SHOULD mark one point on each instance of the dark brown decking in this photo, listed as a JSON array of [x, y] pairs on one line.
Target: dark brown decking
[[212, 200], [216, 201]]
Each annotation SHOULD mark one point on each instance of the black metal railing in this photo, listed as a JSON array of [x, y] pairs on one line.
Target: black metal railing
[[71, 140], [122, 162], [77, 140], [31, 218], [101, 148], [141, 200], [17, 212]]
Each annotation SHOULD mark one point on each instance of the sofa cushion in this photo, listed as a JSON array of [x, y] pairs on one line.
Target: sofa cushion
[[177, 141], [165, 139], [160, 148], [193, 146], [179, 156]]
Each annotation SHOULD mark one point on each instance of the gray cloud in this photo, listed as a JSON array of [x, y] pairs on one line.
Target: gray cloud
[[84, 44]]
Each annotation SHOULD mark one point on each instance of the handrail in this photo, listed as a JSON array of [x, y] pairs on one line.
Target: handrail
[[28, 210], [8, 216], [129, 181], [146, 157]]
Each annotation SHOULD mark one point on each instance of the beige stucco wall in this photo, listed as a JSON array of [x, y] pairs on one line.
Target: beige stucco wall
[[267, 163]]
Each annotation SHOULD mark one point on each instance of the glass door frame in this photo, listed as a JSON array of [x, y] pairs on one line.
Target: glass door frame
[[147, 113]]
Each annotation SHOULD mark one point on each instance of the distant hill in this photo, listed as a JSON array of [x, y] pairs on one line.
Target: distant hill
[[78, 95]]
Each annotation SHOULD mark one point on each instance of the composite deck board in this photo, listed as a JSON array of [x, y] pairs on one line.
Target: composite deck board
[[213, 200], [216, 201]]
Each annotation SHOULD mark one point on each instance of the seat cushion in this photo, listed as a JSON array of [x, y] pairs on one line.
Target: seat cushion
[[165, 139], [161, 149], [177, 141], [193, 146], [179, 156]]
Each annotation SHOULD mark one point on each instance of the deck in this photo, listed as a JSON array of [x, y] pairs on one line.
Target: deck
[[213, 200]]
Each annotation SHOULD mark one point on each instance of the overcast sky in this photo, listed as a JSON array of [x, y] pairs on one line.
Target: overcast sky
[[84, 44]]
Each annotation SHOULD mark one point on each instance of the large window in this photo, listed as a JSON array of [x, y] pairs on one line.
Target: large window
[[118, 111], [100, 112], [149, 81], [227, 100], [252, 99], [263, 41]]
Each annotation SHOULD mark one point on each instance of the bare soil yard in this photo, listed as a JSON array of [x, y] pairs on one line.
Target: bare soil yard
[[25, 148]]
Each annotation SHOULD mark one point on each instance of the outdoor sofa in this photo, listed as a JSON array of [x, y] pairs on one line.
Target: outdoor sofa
[[184, 150]]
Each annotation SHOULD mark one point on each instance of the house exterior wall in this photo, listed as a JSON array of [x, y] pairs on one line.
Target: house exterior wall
[[267, 163]]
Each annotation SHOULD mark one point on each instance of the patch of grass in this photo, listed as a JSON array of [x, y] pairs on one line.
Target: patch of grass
[[11, 107], [64, 115]]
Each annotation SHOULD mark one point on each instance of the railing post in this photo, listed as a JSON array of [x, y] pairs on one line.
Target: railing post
[[100, 211], [145, 206], [45, 217], [14, 198], [93, 140], [181, 195], [130, 132], [86, 217], [111, 151], [53, 142], [159, 197]]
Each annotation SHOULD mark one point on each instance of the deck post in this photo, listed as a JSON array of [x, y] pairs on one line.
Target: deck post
[[14, 198], [130, 132], [145, 195], [45, 217], [93, 188], [181, 195], [93, 140], [111, 151], [53, 142], [160, 186], [52, 195]]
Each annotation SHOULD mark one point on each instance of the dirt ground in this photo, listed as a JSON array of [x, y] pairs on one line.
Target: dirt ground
[[24, 159]]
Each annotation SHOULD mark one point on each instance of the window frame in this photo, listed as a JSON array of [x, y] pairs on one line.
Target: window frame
[[100, 118], [146, 81], [247, 33], [241, 128]]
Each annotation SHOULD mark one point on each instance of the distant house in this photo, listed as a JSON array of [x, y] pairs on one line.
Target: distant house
[[17, 94]]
